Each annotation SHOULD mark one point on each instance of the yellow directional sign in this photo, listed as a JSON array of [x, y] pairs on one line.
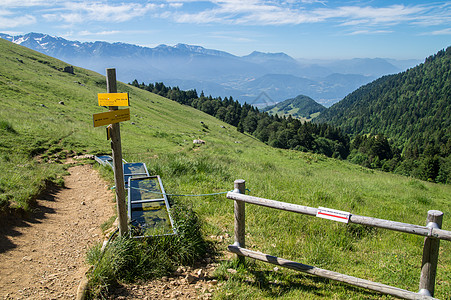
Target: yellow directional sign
[[111, 117], [113, 99]]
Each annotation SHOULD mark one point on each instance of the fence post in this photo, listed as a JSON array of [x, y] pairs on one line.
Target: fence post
[[430, 255], [240, 216]]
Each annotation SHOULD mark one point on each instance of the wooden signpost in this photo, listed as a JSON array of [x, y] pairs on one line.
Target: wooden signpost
[[112, 118]]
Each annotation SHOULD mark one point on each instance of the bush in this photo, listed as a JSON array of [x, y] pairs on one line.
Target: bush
[[128, 260]]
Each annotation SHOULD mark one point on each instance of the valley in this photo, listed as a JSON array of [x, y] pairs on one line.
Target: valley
[[220, 74]]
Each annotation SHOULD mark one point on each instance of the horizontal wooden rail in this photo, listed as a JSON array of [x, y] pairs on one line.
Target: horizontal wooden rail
[[375, 286], [362, 220]]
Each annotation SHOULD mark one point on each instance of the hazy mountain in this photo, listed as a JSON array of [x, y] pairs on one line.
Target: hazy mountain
[[326, 90], [277, 75], [366, 66]]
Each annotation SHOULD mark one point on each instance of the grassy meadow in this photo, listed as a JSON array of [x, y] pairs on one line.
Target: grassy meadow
[[37, 132]]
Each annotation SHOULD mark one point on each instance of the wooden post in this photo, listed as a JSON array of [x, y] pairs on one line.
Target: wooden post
[[115, 133], [430, 255], [240, 217]]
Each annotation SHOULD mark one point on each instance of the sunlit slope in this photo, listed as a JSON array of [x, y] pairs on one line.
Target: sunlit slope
[[161, 133], [32, 86]]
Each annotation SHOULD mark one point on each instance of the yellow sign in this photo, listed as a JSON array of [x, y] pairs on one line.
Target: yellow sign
[[113, 99], [111, 117]]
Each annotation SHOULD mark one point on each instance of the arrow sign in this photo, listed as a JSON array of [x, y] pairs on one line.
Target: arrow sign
[[113, 99], [332, 214], [111, 117]]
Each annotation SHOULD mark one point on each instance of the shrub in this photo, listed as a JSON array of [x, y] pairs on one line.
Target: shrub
[[126, 259]]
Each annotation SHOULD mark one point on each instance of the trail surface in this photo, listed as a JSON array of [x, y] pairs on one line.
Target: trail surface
[[43, 257]]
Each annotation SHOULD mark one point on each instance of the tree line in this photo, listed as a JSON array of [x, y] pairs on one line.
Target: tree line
[[281, 132]]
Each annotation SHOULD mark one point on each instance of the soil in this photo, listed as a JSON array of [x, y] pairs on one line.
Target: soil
[[44, 256], [185, 283]]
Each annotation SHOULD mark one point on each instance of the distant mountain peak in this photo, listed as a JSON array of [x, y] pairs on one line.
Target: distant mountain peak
[[257, 55], [201, 50]]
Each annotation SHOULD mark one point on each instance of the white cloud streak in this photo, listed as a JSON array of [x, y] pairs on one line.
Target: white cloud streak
[[263, 12], [16, 21], [25, 3], [446, 31], [77, 12], [72, 12], [247, 12], [367, 32], [101, 33]]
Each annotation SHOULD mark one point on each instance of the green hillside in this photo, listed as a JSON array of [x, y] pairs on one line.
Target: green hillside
[[412, 109], [37, 132], [301, 107]]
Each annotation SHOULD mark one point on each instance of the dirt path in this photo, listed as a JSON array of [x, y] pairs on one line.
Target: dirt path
[[43, 257]]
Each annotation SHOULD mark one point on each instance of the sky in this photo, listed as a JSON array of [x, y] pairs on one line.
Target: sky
[[310, 29]]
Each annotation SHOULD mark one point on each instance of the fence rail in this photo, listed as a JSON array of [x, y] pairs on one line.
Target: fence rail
[[432, 233], [362, 220]]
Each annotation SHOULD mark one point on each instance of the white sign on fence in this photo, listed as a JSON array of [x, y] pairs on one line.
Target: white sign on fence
[[333, 214]]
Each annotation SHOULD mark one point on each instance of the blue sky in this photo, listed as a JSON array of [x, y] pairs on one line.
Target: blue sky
[[302, 29]]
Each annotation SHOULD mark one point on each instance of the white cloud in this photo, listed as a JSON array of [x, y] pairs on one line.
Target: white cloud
[[93, 11], [372, 15], [253, 12], [88, 33], [446, 31], [176, 4], [266, 12], [78, 12], [71, 12], [24, 3], [366, 32], [4, 12], [242, 12], [16, 21]]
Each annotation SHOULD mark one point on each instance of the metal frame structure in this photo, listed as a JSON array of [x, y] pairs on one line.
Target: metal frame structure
[[133, 170], [142, 201], [134, 173]]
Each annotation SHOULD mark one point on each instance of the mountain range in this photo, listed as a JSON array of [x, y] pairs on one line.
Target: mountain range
[[259, 78]]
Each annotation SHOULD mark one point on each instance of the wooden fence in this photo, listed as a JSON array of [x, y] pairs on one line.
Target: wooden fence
[[432, 233]]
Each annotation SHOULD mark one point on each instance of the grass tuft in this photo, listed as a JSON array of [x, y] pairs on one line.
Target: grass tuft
[[6, 126], [130, 260]]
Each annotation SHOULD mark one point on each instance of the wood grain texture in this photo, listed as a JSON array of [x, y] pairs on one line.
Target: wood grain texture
[[375, 286]]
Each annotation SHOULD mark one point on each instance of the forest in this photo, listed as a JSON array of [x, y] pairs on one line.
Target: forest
[[411, 110]]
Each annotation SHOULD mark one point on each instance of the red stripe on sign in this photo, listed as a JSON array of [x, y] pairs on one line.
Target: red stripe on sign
[[334, 216]]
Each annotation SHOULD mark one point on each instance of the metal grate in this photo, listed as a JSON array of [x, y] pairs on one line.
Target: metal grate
[[148, 208]]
